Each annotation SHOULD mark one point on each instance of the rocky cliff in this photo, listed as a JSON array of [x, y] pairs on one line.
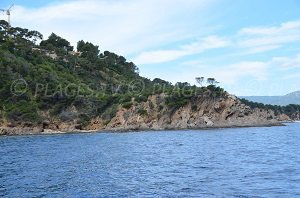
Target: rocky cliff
[[154, 114], [202, 112], [91, 90]]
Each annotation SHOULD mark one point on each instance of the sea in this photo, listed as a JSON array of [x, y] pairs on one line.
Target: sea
[[233, 162]]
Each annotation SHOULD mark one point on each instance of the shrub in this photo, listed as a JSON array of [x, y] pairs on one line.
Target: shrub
[[142, 112], [141, 98], [110, 112], [194, 108], [127, 105], [177, 101], [125, 98], [84, 119], [23, 111]]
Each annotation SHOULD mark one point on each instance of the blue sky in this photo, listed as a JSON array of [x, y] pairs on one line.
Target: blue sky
[[251, 46]]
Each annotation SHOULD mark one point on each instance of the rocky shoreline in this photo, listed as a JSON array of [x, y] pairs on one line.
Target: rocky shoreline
[[16, 131], [201, 113]]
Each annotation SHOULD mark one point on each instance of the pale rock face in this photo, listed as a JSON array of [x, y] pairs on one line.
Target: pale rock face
[[283, 117], [227, 111], [201, 112], [208, 121], [19, 131]]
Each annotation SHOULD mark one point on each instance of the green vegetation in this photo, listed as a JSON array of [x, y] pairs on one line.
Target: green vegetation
[[183, 93], [127, 105], [143, 112], [51, 77], [141, 98], [55, 42], [290, 110], [176, 101]]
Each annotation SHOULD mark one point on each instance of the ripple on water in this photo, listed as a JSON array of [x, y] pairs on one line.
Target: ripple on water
[[246, 162]]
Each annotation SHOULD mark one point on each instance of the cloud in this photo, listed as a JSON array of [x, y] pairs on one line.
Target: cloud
[[125, 27], [287, 62], [134, 28], [231, 73], [270, 31], [261, 39], [161, 56], [166, 33], [247, 41], [259, 49]]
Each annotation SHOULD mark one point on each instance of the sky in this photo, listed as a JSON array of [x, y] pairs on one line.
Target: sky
[[252, 47]]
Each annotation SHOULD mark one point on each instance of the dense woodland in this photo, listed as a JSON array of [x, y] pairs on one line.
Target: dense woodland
[[39, 77]]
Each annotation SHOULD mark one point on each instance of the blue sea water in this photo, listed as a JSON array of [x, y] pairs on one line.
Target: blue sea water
[[241, 162]]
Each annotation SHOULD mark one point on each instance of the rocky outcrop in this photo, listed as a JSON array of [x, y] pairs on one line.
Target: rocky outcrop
[[226, 111], [295, 116], [20, 130], [283, 118], [200, 112]]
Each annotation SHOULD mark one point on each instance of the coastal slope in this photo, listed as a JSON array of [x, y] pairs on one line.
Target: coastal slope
[[47, 86], [153, 114]]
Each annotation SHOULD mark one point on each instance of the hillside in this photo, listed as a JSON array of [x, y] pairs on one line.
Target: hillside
[[51, 86], [292, 98]]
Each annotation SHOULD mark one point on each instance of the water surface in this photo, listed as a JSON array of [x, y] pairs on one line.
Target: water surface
[[242, 162]]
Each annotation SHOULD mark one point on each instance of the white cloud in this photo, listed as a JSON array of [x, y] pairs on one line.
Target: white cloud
[[260, 49], [227, 74], [287, 62], [269, 31], [125, 27], [161, 56], [145, 28], [237, 71], [261, 39], [230, 74], [247, 41], [136, 27]]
